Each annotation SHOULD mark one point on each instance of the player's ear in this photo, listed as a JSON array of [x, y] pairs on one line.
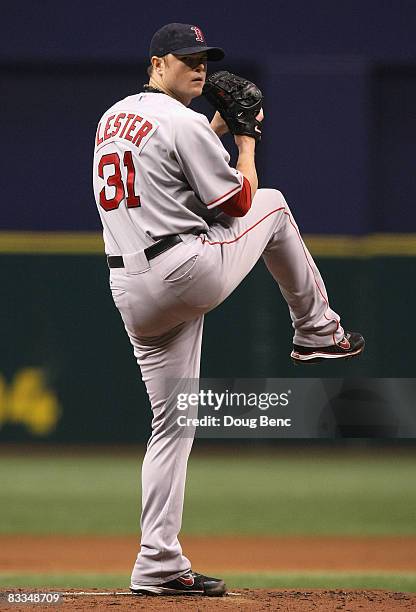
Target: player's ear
[[157, 63]]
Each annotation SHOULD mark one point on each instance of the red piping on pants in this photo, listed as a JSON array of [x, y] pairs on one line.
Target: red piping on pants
[[304, 252], [247, 230], [316, 282]]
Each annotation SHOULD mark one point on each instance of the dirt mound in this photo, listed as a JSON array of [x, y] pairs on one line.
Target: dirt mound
[[241, 599], [211, 555]]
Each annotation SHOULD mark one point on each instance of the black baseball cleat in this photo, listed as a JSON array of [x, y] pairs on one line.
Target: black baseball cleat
[[351, 345], [190, 583]]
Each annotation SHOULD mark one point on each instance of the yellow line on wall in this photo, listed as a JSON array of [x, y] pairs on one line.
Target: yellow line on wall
[[320, 245], [372, 245], [53, 243]]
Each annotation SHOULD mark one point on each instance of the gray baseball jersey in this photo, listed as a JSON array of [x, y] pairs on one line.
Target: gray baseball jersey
[[159, 169]]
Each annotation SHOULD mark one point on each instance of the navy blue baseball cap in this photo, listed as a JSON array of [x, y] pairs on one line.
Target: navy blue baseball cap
[[182, 39]]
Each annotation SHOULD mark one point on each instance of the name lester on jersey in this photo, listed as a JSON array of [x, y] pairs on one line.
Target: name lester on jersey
[[131, 127]]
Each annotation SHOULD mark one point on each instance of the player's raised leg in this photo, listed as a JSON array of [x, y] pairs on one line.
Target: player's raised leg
[[269, 229], [305, 293]]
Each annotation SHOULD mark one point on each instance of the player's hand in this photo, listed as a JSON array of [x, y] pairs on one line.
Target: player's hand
[[245, 140], [218, 125]]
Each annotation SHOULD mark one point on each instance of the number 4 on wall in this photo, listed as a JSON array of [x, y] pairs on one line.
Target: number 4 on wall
[[116, 180]]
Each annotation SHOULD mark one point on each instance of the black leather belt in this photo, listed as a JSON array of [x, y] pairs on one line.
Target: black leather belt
[[116, 261]]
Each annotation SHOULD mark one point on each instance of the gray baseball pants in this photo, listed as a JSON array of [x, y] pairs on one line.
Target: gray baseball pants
[[162, 304]]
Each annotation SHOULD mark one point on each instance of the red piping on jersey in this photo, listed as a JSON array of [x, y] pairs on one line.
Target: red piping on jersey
[[303, 248], [225, 194]]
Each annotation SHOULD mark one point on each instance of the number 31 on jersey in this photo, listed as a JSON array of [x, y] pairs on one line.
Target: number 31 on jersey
[[124, 189]]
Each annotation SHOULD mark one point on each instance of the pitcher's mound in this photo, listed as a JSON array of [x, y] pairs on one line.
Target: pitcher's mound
[[250, 600]]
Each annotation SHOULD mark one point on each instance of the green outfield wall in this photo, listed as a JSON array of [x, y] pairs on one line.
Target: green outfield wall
[[67, 372]]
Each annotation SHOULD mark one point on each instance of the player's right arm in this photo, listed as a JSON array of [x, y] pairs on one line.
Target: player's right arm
[[246, 160], [205, 164], [239, 204]]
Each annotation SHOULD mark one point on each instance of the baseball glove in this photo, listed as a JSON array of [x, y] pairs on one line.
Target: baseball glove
[[237, 100]]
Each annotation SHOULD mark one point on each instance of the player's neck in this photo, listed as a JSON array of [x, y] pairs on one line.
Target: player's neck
[[151, 89], [159, 87]]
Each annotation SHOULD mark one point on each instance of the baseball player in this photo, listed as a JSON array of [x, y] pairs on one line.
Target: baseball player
[[181, 230]]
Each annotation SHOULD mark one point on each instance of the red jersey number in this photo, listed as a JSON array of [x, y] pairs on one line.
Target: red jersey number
[[116, 180]]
